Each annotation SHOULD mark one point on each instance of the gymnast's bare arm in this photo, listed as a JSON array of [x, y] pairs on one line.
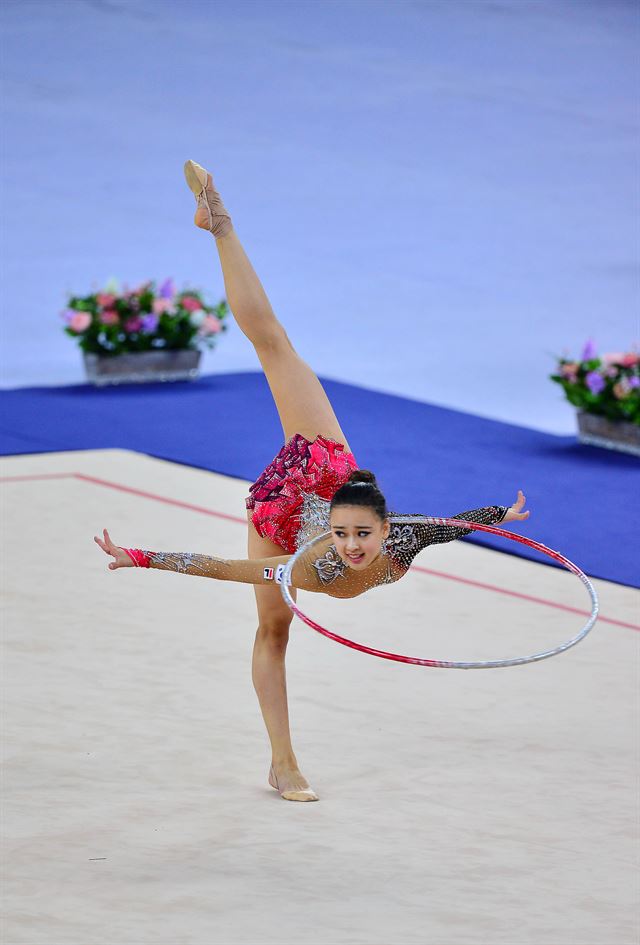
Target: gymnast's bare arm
[[259, 571]]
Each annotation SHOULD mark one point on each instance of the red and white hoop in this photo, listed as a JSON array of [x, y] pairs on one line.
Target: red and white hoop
[[448, 664]]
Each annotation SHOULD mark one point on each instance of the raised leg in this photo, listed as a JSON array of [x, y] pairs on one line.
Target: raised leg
[[301, 402], [269, 677]]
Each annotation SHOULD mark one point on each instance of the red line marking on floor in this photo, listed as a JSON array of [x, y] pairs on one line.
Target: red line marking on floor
[[519, 594], [42, 476], [115, 485], [235, 518], [160, 498]]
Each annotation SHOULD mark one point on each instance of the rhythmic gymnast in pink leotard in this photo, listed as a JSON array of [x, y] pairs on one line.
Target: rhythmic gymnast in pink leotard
[[311, 487]]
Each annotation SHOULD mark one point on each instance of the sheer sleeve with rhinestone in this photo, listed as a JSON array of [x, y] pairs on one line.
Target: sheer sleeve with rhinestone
[[405, 541]]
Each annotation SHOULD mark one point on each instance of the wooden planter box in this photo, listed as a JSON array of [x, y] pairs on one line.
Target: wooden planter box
[[611, 434], [143, 367]]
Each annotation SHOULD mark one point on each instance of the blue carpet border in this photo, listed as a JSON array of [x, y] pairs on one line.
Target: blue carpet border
[[428, 459]]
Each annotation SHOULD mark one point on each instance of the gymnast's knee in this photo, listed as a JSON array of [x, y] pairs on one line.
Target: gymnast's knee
[[273, 341], [273, 632]]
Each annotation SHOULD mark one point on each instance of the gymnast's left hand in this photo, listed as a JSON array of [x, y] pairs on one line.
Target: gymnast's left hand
[[514, 514]]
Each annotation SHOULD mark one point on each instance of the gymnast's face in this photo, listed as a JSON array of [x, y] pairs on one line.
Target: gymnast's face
[[357, 533]]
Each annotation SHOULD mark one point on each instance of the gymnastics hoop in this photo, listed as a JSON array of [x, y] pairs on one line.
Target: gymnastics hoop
[[449, 664]]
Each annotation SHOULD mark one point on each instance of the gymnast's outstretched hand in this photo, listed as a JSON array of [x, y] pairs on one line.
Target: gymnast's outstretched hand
[[514, 514], [122, 559]]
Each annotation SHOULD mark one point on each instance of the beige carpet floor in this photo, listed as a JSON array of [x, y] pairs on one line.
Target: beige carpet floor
[[457, 808]]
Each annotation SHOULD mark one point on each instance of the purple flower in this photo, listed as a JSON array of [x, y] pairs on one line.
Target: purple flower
[[167, 289], [634, 381], [595, 382], [589, 350], [68, 314], [149, 323]]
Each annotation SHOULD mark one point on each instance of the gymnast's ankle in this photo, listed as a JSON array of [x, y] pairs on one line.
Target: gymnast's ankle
[[287, 761]]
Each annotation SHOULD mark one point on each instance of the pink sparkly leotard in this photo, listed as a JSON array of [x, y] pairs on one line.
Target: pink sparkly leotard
[[302, 469]]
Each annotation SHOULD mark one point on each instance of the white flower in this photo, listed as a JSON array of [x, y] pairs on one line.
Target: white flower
[[197, 318], [112, 285]]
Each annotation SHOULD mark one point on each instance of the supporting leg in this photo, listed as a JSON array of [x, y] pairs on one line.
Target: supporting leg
[[269, 678]]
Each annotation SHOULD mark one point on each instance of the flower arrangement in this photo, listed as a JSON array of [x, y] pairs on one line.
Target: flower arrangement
[[607, 385], [112, 322]]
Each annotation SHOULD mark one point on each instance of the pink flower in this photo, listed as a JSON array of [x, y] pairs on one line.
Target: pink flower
[[160, 306], [619, 357], [133, 324], [80, 321], [210, 326], [105, 299], [569, 370], [191, 303], [109, 317], [621, 389]]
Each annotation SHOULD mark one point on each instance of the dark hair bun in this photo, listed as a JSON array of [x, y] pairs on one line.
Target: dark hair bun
[[363, 475], [369, 497]]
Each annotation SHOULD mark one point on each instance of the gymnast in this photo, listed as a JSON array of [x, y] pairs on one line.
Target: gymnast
[[311, 487]]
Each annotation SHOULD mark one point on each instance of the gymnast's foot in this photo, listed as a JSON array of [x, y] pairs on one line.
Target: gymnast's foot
[[211, 213], [291, 784]]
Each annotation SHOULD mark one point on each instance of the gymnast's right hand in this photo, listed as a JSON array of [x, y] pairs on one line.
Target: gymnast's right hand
[[122, 559]]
